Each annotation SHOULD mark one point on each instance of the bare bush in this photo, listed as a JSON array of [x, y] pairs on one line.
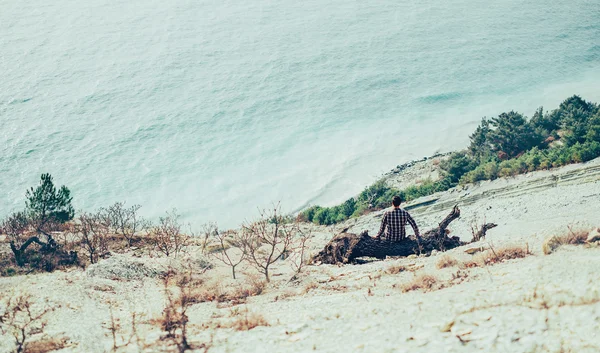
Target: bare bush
[[446, 261], [268, 239], [94, 230], [16, 227], [572, 237], [298, 252], [208, 232], [167, 236], [231, 250], [424, 282], [126, 221], [174, 318], [21, 319]]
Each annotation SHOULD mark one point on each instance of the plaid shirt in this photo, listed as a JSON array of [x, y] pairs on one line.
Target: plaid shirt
[[395, 221]]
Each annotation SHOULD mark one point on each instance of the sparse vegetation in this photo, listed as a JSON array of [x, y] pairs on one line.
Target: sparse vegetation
[[395, 269], [572, 237], [167, 236], [268, 240], [93, 228], [246, 321], [126, 221], [494, 256], [446, 261], [230, 248], [21, 318], [425, 282]]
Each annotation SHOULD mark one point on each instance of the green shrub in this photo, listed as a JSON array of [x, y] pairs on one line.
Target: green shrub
[[458, 165]]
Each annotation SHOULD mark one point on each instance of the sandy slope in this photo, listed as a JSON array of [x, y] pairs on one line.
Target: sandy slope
[[543, 303]]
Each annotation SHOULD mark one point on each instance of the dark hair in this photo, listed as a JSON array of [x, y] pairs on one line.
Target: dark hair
[[396, 201]]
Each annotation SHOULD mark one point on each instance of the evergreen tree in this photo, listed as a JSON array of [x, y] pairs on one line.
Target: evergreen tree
[[45, 204]]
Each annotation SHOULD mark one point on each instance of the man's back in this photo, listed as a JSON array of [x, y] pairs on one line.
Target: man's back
[[394, 223]]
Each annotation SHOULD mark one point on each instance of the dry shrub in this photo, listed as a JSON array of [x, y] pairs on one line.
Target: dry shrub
[[494, 256], [230, 250], [310, 286], [446, 261], [48, 344], [395, 269], [572, 237], [269, 239], [247, 321], [21, 318], [423, 281], [167, 236], [238, 294]]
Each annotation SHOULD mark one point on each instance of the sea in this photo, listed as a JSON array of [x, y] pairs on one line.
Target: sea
[[220, 108]]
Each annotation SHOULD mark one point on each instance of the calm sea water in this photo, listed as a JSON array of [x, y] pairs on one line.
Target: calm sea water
[[220, 107]]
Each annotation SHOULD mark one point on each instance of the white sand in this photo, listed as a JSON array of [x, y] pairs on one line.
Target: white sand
[[542, 303]]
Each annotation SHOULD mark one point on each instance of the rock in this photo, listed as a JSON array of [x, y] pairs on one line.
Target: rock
[[593, 236], [413, 256], [434, 252], [120, 267]]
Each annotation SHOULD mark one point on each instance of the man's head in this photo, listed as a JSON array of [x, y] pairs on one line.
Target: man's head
[[396, 201]]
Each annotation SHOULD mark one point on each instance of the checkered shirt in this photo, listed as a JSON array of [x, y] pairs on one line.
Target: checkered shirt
[[395, 221]]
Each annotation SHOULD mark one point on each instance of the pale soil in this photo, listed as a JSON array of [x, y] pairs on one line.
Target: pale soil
[[542, 303]]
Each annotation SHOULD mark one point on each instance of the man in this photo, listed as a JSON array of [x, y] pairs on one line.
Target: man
[[394, 221]]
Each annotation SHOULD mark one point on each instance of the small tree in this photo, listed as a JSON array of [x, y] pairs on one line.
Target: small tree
[[298, 254], [167, 236], [231, 250], [93, 229], [46, 205], [268, 239], [126, 222]]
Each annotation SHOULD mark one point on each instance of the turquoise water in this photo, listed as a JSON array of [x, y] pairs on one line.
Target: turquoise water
[[219, 107]]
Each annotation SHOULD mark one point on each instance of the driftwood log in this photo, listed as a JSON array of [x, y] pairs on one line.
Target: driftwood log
[[49, 249], [347, 247]]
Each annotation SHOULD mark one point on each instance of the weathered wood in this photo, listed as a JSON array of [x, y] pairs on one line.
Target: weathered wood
[[480, 234], [347, 247], [48, 249]]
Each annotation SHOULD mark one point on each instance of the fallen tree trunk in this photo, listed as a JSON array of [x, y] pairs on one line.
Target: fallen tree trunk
[[347, 247], [49, 249]]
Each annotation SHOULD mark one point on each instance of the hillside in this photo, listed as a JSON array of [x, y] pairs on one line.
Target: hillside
[[538, 303]]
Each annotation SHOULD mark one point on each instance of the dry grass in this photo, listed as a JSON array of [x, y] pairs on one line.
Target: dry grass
[[395, 269], [446, 261], [310, 286], [47, 344], [423, 281], [238, 294], [246, 321], [494, 256], [572, 237]]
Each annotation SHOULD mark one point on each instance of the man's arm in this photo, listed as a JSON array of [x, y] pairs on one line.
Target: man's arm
[[413, 224], [383, 224]]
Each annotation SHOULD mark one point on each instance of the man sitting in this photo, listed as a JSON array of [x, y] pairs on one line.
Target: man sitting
[[394, 221]]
